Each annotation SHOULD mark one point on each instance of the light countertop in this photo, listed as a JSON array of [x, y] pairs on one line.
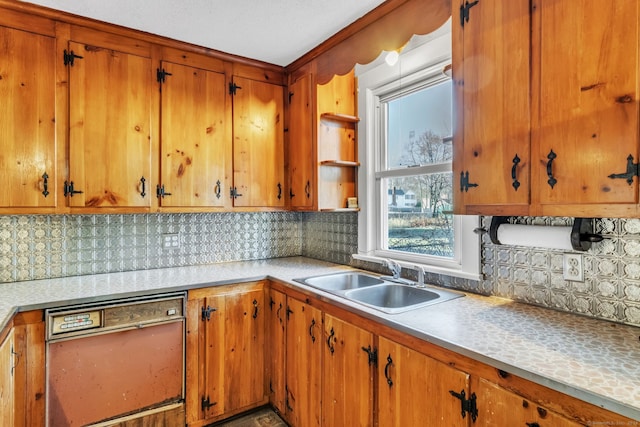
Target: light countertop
[[593, 360]]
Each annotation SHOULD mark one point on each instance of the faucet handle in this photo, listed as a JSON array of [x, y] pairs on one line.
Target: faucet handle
[[395, 268], [420, 270]]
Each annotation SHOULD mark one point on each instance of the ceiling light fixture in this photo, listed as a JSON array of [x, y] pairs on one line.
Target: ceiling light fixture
[[392, 57]]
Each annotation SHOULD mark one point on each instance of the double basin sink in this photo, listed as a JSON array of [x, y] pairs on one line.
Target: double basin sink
[[380, 293]]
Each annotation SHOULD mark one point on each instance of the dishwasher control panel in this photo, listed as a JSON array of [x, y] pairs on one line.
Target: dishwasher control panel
[[113, 315]]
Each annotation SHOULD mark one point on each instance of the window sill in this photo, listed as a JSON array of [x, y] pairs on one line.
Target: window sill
[[427, 267]]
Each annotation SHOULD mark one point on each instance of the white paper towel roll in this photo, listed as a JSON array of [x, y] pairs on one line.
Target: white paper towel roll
[[541, 236]]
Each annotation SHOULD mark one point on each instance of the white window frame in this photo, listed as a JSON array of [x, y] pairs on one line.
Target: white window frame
[[414, 68]]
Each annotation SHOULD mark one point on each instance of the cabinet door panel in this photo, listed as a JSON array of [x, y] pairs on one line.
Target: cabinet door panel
[[27, 119], [347, 380], [408, 380], [258, 149], [304, 362], [301, 147], [498, 407], [110, 135], [277, 342], [7, 391], [195, 146], [495, 117], [588, 100]]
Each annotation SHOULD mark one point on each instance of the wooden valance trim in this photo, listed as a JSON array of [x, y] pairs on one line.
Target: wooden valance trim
[[387, 27]]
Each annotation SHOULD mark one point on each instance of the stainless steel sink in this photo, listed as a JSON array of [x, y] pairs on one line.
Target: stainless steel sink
[[395, 298], [378, 293], [341, 281]]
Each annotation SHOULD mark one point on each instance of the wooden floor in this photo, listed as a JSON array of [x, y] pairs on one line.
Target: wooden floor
[[262, 418]]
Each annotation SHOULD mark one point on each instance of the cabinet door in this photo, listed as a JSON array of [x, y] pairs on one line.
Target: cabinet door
[[347, 380], [7, 391], [195, 146], [258, 148], [27, 119], [498, 407], [491, 71], [588, 71], [414, 390], [276, 331], [302, 156], [225, 366], [304, 364], [110, 135]]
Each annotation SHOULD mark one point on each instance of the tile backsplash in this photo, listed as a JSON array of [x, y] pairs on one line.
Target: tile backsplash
[[48, 246]]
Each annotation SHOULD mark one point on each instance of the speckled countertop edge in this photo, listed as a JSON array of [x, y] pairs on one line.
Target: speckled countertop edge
[[590, 359]]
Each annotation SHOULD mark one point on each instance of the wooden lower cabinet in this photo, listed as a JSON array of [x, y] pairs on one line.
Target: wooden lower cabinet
[[225, 368], [499, 407], [276, 339], [7, 384], [303, 364], [415, 390], [348, 365]]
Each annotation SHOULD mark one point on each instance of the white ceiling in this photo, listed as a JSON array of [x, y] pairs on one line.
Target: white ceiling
[[274, 31]]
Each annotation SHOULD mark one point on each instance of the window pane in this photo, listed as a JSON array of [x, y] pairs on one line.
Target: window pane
[[416, 125], [419, 214]]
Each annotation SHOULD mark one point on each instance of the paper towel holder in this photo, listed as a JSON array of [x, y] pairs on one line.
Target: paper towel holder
[[582, 235]]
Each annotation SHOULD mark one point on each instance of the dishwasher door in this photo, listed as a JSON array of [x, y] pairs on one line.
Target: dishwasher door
[[106, 375]]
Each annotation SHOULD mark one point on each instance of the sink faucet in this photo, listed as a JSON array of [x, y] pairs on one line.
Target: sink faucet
[[395, 268], [420, 282]]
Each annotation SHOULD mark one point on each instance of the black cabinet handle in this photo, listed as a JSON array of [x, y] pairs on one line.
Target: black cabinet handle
[[45, 184], [313, 323], [551, 181], [143, 187], [329, 343], [218, 189], [307, 189], [255, 309], [278, 313], [386, 370], [514, 169], [279, 191], [532, 424]]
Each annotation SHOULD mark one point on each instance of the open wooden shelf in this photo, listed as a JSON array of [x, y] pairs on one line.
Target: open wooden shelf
[[346, 118], [339, 163]]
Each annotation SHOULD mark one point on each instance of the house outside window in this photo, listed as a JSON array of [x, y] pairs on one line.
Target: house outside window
[[405, 181]]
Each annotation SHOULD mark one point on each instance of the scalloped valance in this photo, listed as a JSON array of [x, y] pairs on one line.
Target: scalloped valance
[[387, 27]]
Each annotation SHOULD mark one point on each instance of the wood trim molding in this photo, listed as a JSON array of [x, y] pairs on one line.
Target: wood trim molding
[[388, 27]]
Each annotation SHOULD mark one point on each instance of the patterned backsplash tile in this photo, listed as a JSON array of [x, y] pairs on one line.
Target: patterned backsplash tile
[[47, 246]]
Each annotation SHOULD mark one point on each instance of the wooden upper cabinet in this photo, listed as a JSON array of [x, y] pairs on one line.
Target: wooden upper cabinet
[[110, 128], [491, 73], [195, 148], [586, 60], [28, 167], [301, 145], [258, 143]]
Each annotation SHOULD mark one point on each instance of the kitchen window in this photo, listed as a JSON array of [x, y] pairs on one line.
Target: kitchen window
[[406, 183]]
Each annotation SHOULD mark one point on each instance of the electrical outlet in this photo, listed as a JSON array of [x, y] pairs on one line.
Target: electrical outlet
[[572, 267], [171, 241]]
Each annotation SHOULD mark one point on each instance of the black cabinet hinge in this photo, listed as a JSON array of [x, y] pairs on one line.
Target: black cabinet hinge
[[373, 355], [233, 88], [161, 192], [206, 312], [69, 57], [464, 182], [205, 404], [161, 75], [633, 169], [467, 405], [69, 190], [464, 11]]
